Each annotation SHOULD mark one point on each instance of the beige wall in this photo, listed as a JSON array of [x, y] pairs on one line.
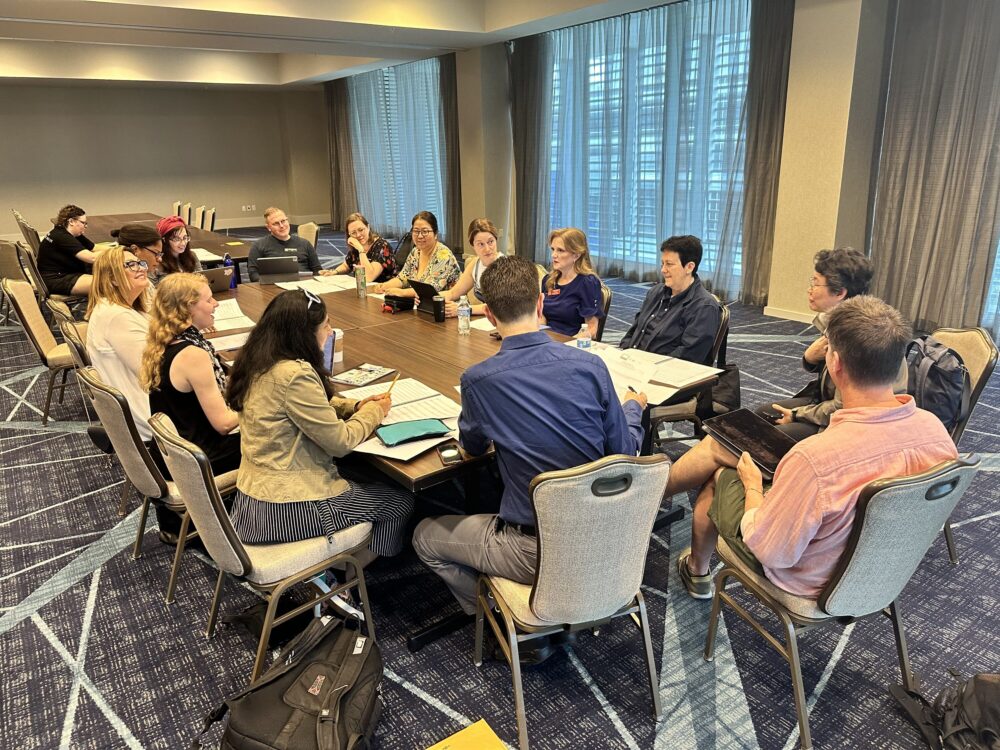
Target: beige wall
[[125, 149]]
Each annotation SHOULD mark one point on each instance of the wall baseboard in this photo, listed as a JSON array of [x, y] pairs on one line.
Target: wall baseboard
[[777, 312]]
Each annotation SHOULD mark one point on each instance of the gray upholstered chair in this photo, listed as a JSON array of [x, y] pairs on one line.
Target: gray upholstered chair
[[687, 411], [271, 569], [593, 526], [979, 354], [309, 231], [140, 470], [895, 522], [606, 295], [55, 356]]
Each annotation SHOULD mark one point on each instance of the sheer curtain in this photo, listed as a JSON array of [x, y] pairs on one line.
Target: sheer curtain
[[647, 135], [397, 127]]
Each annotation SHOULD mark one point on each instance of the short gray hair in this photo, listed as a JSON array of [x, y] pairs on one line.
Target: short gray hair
[[871, 338]]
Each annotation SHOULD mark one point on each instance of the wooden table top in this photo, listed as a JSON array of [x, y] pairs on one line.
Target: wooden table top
[[99, 229]]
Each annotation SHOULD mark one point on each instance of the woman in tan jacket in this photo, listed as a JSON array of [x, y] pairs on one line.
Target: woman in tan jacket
[[292, 429]]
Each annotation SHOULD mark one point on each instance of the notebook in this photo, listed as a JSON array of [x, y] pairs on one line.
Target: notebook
[[273, 270]]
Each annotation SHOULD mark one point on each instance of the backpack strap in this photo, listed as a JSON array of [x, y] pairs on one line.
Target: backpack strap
[[918, 712], [358, 649]]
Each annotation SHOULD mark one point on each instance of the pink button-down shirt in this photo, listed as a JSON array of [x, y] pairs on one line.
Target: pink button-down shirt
[[801, 530]]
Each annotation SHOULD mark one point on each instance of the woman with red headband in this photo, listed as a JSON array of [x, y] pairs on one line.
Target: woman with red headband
[[177, 254]]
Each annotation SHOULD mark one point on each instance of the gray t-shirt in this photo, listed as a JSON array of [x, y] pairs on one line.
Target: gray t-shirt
[[271, 247]]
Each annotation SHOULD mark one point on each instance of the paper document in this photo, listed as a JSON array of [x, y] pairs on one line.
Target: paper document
[[405, 391], [680, 372], [205, 256], [228, 308], [338, 283], [232, 324], [632, 368], [483, 324], [228, 343], [439, 407]]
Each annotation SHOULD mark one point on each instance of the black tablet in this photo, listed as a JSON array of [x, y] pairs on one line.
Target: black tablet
[[742, 430]]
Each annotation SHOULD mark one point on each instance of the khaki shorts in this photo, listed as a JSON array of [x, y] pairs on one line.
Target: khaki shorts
[[726, 512]]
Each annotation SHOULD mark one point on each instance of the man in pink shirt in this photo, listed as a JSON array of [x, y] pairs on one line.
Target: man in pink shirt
[[796, 532]]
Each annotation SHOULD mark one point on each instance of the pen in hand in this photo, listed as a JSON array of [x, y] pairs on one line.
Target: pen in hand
[[393, 383]]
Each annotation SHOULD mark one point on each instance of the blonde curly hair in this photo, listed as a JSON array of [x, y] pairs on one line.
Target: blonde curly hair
[[171, 314]]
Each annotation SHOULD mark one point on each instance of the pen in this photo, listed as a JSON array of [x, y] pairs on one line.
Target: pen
[[392, 383], [632, 389]]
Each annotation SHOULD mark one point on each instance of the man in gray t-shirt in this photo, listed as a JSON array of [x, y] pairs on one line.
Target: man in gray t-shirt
[[281, 242]]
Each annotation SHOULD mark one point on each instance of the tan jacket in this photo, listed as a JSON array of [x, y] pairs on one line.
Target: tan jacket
[[290, 434]]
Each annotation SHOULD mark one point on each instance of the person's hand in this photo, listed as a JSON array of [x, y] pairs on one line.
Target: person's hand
[[379, 289], [816, 352], [749, 473], [383, 400], [327, 272], [451, 309], [639, 397], [786, 414], [353, 242]]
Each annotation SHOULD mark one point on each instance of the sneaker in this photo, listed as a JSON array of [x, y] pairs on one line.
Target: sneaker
[[698, 587]]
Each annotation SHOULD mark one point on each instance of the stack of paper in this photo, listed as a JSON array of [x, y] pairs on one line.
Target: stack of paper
[[229, 317], [228, 343], [205, 256], [483, 324]]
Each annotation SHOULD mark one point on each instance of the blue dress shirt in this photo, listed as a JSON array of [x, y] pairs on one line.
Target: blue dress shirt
[[544, 406]]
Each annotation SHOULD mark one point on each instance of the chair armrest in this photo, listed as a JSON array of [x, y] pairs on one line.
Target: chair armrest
[[226, 483]]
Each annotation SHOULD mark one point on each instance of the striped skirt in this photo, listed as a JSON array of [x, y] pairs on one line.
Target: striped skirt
[[386, 507]]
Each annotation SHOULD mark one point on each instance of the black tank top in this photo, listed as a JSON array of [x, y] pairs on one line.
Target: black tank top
[[223, 451]]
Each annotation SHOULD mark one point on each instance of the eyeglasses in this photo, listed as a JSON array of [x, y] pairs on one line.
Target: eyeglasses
[[358, 232], [491, 242], [180, 239], [80, 221], [312, 299], [813, 284], [155, 253], [136, 265], [421, 232]]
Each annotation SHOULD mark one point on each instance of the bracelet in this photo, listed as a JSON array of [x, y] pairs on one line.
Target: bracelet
[[754, 489]]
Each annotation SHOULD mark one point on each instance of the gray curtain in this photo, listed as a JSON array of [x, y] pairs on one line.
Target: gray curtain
[[530, 63], [454, 232], [767, 85], [936, 220], [343, 195]]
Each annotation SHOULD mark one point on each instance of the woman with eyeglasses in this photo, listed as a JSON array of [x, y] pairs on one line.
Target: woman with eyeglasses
[[572, 289], [294, 427], [430, 261], [144, 241], [177, 255], [366, 248], [65, 255], [483, 236], [182, 373]]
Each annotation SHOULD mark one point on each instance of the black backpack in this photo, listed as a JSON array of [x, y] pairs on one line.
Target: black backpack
[[965, 716], [321, 693], [938, 380]]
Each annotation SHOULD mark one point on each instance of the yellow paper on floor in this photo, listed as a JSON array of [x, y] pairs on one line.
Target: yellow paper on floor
[[476, 736]]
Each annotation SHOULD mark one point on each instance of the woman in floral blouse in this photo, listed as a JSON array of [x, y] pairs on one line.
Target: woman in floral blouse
[[430, 261], [366, 248]]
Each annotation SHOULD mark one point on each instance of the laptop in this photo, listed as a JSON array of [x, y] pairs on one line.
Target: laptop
[[273, 270], [218, 279], [742, 430], [426, 293]]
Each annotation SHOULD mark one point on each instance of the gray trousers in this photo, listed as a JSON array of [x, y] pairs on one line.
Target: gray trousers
[[459, 548]]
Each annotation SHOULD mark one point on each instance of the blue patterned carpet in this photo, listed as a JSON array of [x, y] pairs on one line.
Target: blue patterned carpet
[[91, 657]]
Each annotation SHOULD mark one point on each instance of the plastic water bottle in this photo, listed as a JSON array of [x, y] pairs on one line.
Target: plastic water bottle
[[464, 316], [227, 262], [583, 337], [360, 282]]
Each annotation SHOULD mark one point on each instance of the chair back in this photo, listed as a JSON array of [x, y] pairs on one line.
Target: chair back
[[75, 334], [403, 248], [895, 523], [186, 213], [175, 209], [593, 526], [113, 411], [10, 264], [192, 473], [720, 335], [309, 231], [606, 296], [60, 310], [979, 354], [199, 217], [25, 304], [29, 232], [29, 263], [209, 221]]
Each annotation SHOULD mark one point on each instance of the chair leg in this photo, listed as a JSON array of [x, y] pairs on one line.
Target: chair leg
[[477, 650], [123, 503], [910, 681], [713, 618], [654, 680], [137, 548], [363, 596], [515, 675], [949, 537], [176, 567], [213, 610], [798, 687], [265, 632], [48, 396], [62, 386]]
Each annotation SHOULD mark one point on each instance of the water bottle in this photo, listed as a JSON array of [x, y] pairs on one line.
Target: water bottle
[[227, 262], [360, 282], [464, 316], [583, 337]]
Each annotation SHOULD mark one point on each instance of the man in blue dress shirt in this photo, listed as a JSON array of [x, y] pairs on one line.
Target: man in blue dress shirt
[[544, 406]]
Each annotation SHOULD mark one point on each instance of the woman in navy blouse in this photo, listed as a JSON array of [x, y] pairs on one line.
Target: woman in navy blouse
[[572, 290]]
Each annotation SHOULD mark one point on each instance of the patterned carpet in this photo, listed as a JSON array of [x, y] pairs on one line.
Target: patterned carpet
[[91, 657]]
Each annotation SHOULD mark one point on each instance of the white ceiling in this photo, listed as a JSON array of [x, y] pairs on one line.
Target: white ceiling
[[286, 43]]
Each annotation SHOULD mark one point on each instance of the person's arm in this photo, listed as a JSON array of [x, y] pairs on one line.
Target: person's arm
[[592, 322], [255, 253], [471, 435], [815, 355], [373, 260], [812, 413], [623, 431], [591, 305], [192, 369], [699, 332], [462, 286], [312, 259], [307, 407], [127, 336], [341, 269]]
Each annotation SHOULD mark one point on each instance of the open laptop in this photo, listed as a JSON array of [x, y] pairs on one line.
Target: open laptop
[[742, 430], [218, 279], [426, 293], [273, 270]]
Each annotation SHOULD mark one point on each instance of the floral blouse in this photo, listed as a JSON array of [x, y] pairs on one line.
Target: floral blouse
[[380, 253], [441, 273]]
